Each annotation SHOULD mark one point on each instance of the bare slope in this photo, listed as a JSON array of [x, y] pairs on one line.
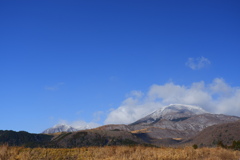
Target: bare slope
[[95, 137], [226, 133]]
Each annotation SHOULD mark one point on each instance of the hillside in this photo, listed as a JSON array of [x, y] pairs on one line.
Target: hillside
[[23, 138], [95, 138], [210, 136]]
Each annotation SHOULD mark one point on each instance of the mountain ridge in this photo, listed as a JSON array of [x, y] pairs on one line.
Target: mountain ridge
[[170, 125]]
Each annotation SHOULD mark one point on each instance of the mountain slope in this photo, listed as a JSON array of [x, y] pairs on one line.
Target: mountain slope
[[23, 138], [210, 136], [95, 137]]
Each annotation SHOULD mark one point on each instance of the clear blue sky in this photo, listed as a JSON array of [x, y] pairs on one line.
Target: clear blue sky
[[78, 60]]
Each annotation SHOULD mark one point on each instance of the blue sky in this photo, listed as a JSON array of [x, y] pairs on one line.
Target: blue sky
[[114, 61]]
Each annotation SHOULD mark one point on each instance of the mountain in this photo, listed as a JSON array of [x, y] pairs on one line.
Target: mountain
[[177, 121], [174, 123], [60, 128], [173, 112]]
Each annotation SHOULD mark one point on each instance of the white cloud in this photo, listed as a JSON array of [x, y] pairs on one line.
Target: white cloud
[[197, 63], [216, 97], [220, 87]]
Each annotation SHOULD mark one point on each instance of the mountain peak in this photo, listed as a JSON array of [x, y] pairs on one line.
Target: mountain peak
[[172, 112], [68, 128], [60, 128]]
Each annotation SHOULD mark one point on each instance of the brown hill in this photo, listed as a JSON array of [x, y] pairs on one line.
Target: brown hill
[[210, 136], [23, 138], [95, 137]]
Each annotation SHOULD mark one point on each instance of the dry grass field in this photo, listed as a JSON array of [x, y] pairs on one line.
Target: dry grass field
[[117, 152]]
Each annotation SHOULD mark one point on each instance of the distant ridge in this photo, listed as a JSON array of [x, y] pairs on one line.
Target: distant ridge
[[59, 128], [65, 128]]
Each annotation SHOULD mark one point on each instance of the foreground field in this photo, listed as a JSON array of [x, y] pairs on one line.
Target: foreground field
[[117, 152]]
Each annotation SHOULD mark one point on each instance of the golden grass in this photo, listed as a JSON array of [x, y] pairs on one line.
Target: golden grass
[[117, 153], [178, 139], [145, 130]]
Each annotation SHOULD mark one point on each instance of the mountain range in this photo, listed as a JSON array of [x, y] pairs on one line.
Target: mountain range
[[175, 124]]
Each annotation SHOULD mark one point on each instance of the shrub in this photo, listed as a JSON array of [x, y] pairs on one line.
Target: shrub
[[195, 146], [220, 144], [235, 145]]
